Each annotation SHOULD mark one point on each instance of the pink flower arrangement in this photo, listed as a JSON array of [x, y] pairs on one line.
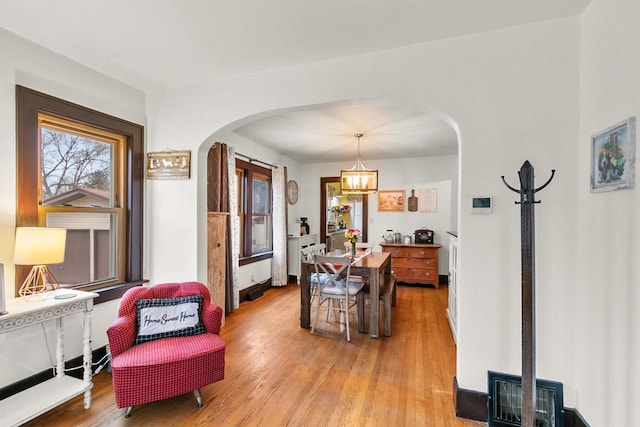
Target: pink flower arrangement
[[352, 235]]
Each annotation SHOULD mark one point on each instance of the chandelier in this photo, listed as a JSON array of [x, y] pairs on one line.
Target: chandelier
[[358, 179]]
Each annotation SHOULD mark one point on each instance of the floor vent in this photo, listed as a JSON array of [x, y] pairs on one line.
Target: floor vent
[[505, 401], [254, 294]]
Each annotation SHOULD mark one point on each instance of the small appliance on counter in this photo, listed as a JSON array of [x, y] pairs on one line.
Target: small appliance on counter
[[304, 227], [389, 236], [423, 235]]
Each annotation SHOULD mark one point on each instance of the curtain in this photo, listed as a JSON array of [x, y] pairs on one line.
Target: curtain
[[279, 260], [221, 197], [233, 230]]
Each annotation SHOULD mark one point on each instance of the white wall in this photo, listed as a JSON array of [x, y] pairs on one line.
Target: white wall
[[25, 352], [607, 296], [508, 106]]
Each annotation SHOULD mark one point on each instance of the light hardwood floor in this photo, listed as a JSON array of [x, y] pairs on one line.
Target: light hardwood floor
[[278, 374]]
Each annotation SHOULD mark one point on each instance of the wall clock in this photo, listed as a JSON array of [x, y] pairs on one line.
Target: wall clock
[[292, 192]]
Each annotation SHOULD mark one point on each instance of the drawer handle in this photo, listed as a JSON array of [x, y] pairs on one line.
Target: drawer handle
[[427, 274], [396, 251], [421, 252]]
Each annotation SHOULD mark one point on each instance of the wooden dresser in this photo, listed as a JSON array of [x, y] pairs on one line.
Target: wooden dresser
[[414, 263]]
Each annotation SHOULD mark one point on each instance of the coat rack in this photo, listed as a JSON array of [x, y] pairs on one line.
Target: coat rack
[[527, 237]]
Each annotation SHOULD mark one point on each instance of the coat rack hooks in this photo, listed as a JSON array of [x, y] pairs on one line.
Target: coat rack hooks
[[527, 190]]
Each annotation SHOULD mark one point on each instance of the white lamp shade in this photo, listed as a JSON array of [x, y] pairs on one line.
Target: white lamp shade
[[39, 245]]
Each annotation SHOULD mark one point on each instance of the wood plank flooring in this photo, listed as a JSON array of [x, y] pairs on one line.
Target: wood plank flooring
[[278, 374]]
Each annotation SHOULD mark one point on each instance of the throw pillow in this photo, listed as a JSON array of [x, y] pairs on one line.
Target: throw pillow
[[169, 317]]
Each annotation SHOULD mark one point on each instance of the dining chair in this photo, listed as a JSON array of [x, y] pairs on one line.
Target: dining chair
[[306, 255], [367, 246], [319, 249], [338, 288]]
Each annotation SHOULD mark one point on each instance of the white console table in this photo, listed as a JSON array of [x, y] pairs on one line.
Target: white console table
[[295, 243], [28, 404]]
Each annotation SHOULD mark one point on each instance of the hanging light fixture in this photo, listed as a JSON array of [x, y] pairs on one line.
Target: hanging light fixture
[[358, 179]]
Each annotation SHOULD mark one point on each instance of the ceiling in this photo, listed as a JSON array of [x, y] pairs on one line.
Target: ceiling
[[164, 44]]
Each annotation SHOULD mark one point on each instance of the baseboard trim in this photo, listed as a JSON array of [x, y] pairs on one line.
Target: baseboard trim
[[472, 405], [47, 374], [469, 404], [572, 418], [254, 289]]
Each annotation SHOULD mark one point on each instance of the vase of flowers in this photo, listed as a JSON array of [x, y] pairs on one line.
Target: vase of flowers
[[352, 235]]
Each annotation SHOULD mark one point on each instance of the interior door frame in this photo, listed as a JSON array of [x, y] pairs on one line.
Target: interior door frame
[[324, 180]]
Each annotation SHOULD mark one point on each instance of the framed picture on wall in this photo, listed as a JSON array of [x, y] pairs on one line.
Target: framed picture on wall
[[391, 200], [168, 164], [613, 155]]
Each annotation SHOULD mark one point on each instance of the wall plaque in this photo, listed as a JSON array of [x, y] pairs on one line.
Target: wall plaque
[[168, 165]]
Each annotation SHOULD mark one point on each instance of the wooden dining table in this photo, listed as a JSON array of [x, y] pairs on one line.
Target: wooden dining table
[[372, 265]]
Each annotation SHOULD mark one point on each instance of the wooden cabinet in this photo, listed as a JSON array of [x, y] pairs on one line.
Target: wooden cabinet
[[294, 244], [217, 257], [414, 263]]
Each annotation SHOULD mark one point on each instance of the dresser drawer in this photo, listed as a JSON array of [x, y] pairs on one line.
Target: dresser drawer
[[397, 252], [414, 262], [422, 253], [416, 275]]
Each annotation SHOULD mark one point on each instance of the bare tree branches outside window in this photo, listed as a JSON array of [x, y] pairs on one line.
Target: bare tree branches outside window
[[70, 162]]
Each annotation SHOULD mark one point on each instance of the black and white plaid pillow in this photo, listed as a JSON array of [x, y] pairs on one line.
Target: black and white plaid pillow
[[168, 317]]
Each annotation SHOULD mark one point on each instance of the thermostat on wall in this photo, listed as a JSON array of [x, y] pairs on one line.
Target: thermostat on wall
[[481, 205]]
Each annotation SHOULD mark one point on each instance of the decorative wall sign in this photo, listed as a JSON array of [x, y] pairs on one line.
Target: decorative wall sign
[[169, 164], [428, 200], [613, 157], [391, 200]]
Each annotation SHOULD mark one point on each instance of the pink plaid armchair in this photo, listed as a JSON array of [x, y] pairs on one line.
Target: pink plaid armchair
[[164, 343]]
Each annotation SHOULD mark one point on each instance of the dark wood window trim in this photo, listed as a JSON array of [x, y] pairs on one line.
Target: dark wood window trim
[[29, 104], [249, 169]]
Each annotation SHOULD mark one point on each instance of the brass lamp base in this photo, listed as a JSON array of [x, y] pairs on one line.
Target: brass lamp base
[[39, 280]]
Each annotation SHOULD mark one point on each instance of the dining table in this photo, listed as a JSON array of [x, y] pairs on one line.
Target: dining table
[[371, 265]]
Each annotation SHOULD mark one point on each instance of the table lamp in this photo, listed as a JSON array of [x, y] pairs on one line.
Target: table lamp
[[39, 246]]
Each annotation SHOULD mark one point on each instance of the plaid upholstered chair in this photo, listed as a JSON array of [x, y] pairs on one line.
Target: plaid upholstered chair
[[165, 343]]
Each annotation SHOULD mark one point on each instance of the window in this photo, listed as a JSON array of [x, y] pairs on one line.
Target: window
[[81, 190], [255, 211], [82, 170]]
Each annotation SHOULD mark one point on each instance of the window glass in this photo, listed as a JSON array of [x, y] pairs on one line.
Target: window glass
[[72, 164], [261, 196], [254, 202], [91, 247]]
